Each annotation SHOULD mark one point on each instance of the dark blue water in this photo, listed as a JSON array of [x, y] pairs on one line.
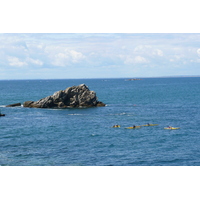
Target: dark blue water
[[30, 136]]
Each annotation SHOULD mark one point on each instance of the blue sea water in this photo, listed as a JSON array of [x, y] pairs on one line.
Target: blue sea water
[[84, 137]]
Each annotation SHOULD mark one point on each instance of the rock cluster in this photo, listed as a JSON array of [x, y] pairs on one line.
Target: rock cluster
[[75, 96]]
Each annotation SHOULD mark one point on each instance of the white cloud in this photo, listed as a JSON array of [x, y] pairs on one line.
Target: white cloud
[[63, 57], [148, 50], [130, 59], [198, 52], [140, 59], [35, 61], [142, 48], [179, 56], [76, 56], [17, 62], [195, 61], [127, 59], [68, 56], [158, 52], [14, 61]]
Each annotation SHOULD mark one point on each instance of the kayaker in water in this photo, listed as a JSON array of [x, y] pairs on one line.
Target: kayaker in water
[[134, 126], [116, 126]]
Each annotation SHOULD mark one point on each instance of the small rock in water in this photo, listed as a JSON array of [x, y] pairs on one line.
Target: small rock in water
[[13, 105]]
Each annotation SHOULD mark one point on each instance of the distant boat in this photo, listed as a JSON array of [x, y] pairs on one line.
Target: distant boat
[[134, 79]]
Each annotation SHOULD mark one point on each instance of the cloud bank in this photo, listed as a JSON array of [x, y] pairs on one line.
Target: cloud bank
[[32, 56]]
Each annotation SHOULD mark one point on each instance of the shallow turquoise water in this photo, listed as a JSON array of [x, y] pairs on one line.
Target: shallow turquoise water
[[84, 136]]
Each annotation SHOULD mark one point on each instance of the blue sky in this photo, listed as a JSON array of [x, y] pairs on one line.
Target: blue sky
[[93, 55]]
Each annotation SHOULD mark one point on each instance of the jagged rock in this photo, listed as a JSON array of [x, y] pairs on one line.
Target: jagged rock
[[13, 105], [75, 96]]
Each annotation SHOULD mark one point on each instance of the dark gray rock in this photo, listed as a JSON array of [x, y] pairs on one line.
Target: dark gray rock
[[75, 96], [13, 105]]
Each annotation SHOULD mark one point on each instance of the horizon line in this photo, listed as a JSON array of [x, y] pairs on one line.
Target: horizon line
[[173, 76]]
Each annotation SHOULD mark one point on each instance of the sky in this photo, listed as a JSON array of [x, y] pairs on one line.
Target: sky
[[93, 55]]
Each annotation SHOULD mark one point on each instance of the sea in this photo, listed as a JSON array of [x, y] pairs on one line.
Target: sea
[[85, 137]]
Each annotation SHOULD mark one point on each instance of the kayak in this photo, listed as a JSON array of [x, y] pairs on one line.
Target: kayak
[[133, 127], [1, 115], [172, 128], [150, 125], [116, 126]]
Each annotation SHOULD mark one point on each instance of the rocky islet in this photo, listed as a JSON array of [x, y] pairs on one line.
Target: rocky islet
[[71, 97]]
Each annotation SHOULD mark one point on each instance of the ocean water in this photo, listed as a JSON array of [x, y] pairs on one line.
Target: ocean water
[[84, 137]]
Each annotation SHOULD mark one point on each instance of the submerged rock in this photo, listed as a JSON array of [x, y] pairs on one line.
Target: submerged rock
[[75, 96]]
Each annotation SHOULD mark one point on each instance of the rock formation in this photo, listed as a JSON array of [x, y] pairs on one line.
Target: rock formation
[[75, 96], [13, 105]]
